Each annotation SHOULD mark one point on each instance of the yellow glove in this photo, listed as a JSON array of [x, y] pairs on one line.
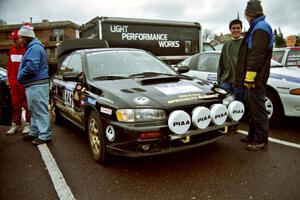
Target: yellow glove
[[249, 80]]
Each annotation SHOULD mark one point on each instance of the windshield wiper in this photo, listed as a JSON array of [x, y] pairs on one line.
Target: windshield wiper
[[149, 74], [110, 77]]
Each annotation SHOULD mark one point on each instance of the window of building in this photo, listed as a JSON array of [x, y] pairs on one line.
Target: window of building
[[58, 35]]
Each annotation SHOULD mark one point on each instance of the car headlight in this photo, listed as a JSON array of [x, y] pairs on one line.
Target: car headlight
[[140, 115], [228, 100]]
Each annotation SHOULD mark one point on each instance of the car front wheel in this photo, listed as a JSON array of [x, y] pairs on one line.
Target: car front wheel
[[96, 138], [274, 107]]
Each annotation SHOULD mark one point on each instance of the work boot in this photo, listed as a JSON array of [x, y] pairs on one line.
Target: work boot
[[26, 128], [38, 141], [257, 146], [13, 129]]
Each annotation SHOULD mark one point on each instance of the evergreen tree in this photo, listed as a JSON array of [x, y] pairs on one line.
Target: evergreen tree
[[278, 37]]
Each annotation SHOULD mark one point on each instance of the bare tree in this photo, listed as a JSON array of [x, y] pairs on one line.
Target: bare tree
[[3, 22]]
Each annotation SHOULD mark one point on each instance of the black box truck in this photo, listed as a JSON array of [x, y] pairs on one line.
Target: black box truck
[[168, 40]]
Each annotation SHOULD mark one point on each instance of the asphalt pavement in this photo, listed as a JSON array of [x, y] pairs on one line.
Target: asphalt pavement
[[222, 170]]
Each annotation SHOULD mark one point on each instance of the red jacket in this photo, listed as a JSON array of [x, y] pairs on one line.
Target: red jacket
[[14, 58]]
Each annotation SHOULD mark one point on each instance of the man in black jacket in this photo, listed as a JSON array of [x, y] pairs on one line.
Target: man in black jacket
[[253, 72]]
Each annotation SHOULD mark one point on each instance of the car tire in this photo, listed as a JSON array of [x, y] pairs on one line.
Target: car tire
[[274, 107], [96, 138], [55, 116]]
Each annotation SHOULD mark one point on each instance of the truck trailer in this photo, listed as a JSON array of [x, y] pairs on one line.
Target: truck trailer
[[169, 40]]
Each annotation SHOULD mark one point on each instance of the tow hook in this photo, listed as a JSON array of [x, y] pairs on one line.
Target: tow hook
[[225, 131], [186, 140]]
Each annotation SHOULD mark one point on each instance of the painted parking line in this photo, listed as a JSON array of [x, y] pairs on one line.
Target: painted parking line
[[275, 140], [61, 187]]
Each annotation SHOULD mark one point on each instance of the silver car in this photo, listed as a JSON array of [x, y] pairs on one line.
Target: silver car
[[283, 86]]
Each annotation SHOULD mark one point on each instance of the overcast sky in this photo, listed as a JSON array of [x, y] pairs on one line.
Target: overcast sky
[[213, 15]]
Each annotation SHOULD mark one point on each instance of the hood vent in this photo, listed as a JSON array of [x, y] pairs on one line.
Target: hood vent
[[153, 81], [133, 90]]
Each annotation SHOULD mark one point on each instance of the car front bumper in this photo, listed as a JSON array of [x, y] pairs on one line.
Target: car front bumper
[[169, 143]]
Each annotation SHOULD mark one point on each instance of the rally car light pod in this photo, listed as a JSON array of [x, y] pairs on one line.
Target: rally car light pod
[[295, 91], [236, 110], [179, 122], [219, 114], [201, 117], [226, 101], [140, 115]]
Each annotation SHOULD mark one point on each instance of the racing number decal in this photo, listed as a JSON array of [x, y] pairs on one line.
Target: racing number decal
[[69, 98]]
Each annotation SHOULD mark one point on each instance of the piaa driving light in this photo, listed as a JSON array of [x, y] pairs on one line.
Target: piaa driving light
[[140, 115]]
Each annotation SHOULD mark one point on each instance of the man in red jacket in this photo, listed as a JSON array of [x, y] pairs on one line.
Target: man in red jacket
[[17, 91]]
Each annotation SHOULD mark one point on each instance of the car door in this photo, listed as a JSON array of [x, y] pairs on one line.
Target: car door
[[68, 91]]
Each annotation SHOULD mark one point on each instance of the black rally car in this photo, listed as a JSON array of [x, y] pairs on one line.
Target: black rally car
[[132, 104]]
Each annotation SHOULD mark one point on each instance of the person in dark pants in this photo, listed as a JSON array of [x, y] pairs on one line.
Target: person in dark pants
[[253, 71]]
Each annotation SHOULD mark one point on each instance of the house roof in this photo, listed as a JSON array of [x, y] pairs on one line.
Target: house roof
[[41, 25]]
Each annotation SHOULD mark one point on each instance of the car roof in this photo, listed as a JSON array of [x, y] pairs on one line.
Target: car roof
[[286, 48], [107, 49]]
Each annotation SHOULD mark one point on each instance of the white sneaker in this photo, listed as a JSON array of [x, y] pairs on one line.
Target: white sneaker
[[26, 128], [13, 129]]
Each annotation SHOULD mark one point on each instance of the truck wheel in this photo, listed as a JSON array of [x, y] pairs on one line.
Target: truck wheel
[[274, 107], [96, 138]]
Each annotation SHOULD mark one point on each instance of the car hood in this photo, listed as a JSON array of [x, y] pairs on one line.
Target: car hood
[[163, 93], [286, 73]]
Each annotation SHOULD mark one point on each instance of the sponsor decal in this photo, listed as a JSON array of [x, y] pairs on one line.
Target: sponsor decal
[[219, 114], [110, 133], [191, 97], [212, 77], [76, 96], [91, 101], [78, 87], [236, 110], [201, 117], [179, 122], [177, 88], [161, 38], [106, 110], [141, 100]]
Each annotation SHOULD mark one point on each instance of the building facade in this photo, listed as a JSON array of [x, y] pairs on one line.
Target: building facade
[[49, 33]]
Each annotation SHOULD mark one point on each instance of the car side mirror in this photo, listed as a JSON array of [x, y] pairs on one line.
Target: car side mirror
[[183, 69], [71, 76]]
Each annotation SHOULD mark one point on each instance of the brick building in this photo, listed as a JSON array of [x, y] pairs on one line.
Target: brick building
[[49, 33]]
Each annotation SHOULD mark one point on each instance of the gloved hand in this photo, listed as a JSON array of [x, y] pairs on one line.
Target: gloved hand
[[249, 80]]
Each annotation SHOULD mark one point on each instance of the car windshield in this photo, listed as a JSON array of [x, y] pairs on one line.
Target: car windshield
[[278, 56], [208, 62], [124, 64]]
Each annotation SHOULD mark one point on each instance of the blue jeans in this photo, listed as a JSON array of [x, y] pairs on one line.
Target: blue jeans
[[237, 92], [38, 99], [257, 114]]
